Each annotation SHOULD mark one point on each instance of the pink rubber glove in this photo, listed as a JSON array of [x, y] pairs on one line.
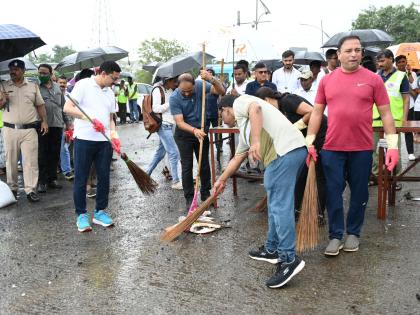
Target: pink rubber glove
[[116, 145], [311, 154], [391, 159], [97, 125], [69, 135]]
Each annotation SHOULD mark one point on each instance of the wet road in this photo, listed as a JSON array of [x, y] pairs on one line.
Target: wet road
[[47, 267]]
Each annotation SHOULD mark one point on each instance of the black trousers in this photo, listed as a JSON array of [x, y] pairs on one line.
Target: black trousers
[[122, 112], [409, 139], [49, 154], [320, 183], [188, 145]]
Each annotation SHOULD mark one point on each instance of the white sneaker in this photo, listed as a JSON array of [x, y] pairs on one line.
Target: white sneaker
[[177, 186], [411, 157]]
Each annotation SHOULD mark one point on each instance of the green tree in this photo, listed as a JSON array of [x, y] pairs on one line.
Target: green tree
[[143, 76], [60, 52], [403, 23], [43, 58], [159, 49]]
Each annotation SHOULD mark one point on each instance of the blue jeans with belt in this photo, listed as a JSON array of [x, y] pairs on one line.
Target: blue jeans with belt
[[85, 153], [353, 167], [279, 181], [166, 145]]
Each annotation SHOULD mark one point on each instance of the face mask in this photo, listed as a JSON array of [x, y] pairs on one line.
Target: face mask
[[44, 78]]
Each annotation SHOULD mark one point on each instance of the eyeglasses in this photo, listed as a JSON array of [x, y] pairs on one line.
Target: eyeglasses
[[262, 71], [113, 78]]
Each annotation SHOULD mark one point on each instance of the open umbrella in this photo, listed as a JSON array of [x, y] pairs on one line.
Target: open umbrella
[[4, 65], [180, 64], [272, 64], [17, 41], [152, 66], [371, 51], [369, 37], [90, 58], [410, 50], [305, 57]]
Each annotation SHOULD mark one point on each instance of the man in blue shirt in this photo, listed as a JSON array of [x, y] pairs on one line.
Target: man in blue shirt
[[185, 104], [261, 79]]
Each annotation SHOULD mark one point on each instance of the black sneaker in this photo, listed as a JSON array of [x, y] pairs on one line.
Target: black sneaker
[[54, 185], [42, 188], [32, 197], [285, 272], [262, 254]]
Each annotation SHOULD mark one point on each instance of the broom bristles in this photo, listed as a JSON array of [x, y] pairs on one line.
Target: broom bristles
[[307, 227], [174, 231], [146, 184]]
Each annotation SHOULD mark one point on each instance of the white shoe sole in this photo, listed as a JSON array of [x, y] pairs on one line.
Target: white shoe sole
[[101, 223], [335, 253], [351, 249], [295, 272], [88, 229], [271, 261]]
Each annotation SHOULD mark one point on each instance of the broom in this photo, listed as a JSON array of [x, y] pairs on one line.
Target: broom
[[307, 227], [194, 203], [146, 184], [174, 231]]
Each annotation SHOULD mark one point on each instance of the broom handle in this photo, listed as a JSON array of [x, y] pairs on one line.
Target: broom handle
[[203, 116], [76, 103]]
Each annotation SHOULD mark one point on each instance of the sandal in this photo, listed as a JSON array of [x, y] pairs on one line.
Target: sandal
[[166, 173]]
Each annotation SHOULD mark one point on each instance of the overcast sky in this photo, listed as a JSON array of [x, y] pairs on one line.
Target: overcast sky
[[83, 23]]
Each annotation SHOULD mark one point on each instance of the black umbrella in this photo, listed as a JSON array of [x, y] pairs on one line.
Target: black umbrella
[[305, 57], [372, 51], [369, 37], [90, 58], [4, 65], [272, 64], [17, 41], [152, 66], [180, 64]]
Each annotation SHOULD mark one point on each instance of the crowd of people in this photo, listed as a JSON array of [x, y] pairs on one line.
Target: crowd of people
[[285, 117]]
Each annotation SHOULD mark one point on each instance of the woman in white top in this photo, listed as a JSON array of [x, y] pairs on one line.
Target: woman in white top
[[160, 98]]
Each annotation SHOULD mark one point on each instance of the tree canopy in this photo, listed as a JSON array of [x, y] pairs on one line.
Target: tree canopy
[[401, 22], [159, 49], [59, 52]]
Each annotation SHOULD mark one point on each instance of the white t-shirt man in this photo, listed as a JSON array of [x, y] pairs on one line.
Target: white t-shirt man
[[285, 136], [98, 103], [286, 81], [239, 88], [308, 95]]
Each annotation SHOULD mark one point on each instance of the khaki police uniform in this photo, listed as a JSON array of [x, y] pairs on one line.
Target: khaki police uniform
[[20, 135]]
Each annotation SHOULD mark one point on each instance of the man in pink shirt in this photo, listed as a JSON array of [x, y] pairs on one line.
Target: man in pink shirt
[[350, 92]]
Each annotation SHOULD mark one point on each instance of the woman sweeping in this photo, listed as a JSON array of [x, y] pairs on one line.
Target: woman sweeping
[[298, 111]]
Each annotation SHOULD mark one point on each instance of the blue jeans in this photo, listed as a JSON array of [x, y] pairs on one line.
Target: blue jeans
[[64, 156], [279, 181], [134, 111], [166, 144], [85, 153], [353, 167]]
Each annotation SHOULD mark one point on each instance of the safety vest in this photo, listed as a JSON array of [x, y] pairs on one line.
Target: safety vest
[[392, 86], [131, 89], [121, 98], [1, 119]]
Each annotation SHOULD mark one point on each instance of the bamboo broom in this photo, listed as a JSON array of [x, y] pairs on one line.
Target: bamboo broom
[[146, 184], [174, 231], [194, 203], [307, 227]]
